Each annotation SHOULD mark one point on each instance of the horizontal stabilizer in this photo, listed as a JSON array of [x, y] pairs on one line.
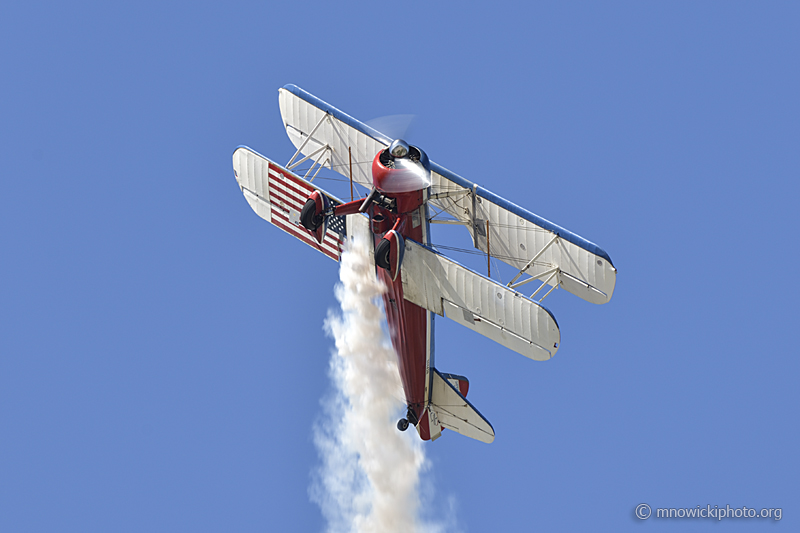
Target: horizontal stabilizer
[[452, 411]]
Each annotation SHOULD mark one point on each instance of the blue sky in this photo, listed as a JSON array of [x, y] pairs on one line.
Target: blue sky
[[162, 353]]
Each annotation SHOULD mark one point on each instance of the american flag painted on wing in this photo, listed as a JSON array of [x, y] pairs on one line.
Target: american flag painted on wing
[[287, 195]]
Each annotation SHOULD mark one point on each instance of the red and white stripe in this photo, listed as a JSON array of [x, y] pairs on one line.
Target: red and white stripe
[[288, 192]]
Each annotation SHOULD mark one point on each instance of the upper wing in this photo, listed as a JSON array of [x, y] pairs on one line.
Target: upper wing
[[331, 137], [446, 288], [277, 195], [515, 235], [525, 240]]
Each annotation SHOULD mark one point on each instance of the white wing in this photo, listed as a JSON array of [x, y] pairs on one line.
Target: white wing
[[522, 239], [337, 139], [277, 195], [446, 288]]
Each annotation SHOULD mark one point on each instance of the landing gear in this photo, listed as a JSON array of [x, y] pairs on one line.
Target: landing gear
[[382, 254], [411, 418], [389, 251], [309, 218]]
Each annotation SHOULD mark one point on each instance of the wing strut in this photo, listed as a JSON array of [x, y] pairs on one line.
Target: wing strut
[[319, 160], [472, 214], [457, 222], [447, 194], [488, 252], [530, 263], [555, 271], [289, 165]]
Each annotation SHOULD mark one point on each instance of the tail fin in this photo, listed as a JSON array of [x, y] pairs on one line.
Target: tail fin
[[450, 409], [460, 383]]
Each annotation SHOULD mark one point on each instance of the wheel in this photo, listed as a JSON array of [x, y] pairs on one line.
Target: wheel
[[382, 254], [309, 217], [402, 424]]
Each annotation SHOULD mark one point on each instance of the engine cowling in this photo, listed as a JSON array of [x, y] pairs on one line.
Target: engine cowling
[[409, 170]]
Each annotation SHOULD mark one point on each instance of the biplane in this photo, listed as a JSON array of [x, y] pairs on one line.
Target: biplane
[[405, 189]]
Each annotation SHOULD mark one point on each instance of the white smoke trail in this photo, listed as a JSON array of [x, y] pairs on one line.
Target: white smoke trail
[[369, 478]]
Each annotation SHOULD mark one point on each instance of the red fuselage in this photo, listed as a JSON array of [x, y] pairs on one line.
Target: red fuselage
[[410, 326]]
